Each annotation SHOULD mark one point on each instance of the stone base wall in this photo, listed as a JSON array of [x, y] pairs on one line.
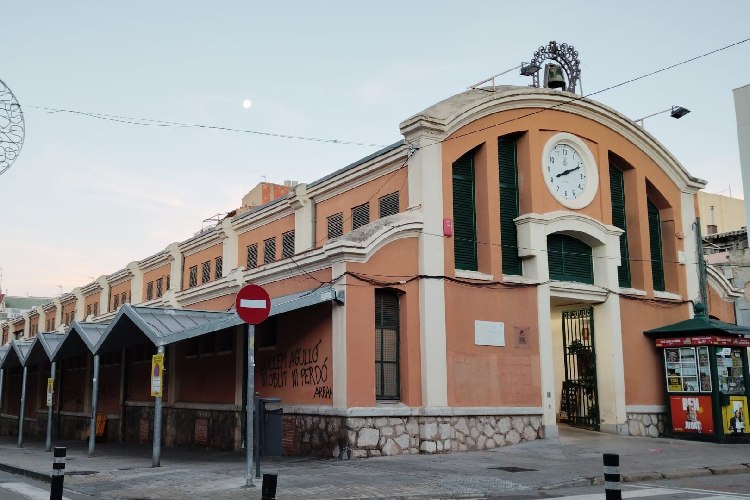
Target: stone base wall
[[324, 436], [647, 424]]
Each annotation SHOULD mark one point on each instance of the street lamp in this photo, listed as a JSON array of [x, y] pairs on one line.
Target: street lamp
[[675, 112]]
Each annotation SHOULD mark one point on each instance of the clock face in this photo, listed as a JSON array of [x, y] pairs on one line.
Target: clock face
[[569, 170], [566, 173]]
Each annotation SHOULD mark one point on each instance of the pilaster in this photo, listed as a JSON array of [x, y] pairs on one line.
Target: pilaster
[[103, 294], [175, 272], [136, 283], [304, 219], [80, 307], [338, 341], [229, 248]]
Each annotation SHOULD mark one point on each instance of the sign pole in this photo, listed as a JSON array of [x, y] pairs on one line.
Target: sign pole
[[50, 392], [94, 397], [156, 451], [250, 400], [22, 408]]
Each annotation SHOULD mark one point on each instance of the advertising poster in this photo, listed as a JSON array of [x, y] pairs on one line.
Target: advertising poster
[[692, 414], [734, 415], [157, 374]]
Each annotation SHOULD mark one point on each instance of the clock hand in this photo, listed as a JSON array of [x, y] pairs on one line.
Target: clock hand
[[566, 172]]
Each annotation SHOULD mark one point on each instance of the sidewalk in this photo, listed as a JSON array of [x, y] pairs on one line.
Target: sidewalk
[[575, 458]]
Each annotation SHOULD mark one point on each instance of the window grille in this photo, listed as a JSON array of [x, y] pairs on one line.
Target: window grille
[[96, 309], [287, 245], [335, 225], [88, 310], [269, 250], [159, 287], [169, 284], [124, 298], [206, 272], [388, 205], [149, 290], [252, 256], [360, 216], [218, 263], [387, 383], [72, 315], [115, 302], [193, 277]]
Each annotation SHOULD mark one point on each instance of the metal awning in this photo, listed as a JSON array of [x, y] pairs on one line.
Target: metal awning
[[15, 354], [43, 348], [163, 326], [3, 353], [700, 324], [80, 338]]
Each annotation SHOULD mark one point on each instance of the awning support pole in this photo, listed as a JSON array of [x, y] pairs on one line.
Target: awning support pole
[[94, 394], [48, 443], [2, 377], [20, 410], [156, 456]]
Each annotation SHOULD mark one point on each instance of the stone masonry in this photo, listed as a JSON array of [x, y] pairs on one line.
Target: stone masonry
[[646, 424], [377, 436]]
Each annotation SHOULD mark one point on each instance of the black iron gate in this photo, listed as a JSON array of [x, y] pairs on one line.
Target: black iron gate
[[579, 404]]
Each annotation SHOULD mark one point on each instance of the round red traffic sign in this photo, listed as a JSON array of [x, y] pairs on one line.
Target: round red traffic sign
[[253, 304]]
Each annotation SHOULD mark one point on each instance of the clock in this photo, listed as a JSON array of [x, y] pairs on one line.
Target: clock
[[569, 170]]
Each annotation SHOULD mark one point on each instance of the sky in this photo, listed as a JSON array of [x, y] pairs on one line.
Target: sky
[[87, 196]]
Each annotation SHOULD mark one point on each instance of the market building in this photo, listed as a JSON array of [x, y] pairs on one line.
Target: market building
[[470, 286]]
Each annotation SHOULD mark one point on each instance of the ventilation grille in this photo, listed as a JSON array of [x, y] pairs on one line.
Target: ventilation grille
[[388, 205], [335, 225], [252, 256], [360, 216], [287, 245], [269, 250]]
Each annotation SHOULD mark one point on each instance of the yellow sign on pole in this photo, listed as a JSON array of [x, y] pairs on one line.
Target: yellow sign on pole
[[50, 390], [157, 375]]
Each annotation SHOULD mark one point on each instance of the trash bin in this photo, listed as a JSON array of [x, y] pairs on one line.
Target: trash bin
[[270, 427]]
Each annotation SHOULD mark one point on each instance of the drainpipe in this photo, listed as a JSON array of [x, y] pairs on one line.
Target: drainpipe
[[48, 443], [94, 393], [20, 410]]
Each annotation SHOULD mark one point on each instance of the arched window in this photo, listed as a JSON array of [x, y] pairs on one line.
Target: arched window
[[569, 259]]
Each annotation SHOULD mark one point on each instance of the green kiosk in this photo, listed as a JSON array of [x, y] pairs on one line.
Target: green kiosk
[[706, 379]]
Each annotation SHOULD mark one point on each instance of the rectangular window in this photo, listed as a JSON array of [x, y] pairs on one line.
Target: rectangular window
[[287, 245], [115, 302], [252, 256], [654, 236], [464, 217], [269, 250], [335, 225], [218, 263], [169, 284], [96, 308], [72, 315], [159, 287], [88, 310], [507, 159], [388, 205], [206, 272], [149, 290], [124, 297], [617, 194], [360, 216], [193, 277], [387, 383]]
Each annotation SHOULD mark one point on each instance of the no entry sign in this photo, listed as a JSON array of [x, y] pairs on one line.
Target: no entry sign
[[253, 304]]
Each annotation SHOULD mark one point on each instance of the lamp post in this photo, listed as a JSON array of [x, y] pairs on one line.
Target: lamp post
[[675, 112], [527, 69]]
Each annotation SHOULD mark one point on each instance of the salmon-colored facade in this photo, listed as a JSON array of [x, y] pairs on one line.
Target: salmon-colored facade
[[449, 292]]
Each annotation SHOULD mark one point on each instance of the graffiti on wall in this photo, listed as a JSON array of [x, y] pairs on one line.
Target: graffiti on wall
[[297, 367]]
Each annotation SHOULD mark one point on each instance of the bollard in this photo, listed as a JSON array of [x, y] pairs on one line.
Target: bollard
[[612, 477], [268, 489], [58, 474]]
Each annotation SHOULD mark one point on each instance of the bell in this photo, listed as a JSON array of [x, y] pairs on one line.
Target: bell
[[553, 77]]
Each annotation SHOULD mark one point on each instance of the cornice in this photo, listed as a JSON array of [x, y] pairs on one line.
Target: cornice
[[229, 284], [91, 288], [119, 276], [265, 215], [155, 261], [67, 298], [48, 306], [723, 286], [203, 240], [359, 175]]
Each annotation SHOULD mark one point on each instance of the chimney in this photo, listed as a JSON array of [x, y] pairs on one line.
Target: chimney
[[712, 228]]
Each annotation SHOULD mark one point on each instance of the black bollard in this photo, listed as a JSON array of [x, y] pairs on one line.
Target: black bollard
[[58, 474], [268, 490], [612, 477]]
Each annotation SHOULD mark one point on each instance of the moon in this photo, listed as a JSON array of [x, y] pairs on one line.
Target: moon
[[247, 103]]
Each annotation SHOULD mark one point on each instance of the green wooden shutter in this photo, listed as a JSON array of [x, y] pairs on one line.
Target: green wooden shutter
[[507, 159], [617, 190], [464, 217], [654, 237], [569, 259]]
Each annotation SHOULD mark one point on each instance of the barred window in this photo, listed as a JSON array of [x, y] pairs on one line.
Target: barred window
[[206, 272], [88, 310], [218, 263], [72, 315], [149, 290], [387, 358], [269, 250], [125, 297], [388, 205], [159, 287], [168, 282], [193, 276], [360, 215], [335, 225], [115, 303], [96, 308], [252, 256], [287, 245]]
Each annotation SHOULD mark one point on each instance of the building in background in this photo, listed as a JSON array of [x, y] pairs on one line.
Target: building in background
[[742, 110], [720, 214]]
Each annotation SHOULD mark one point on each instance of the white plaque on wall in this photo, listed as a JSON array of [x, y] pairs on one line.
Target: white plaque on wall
[[489, 333]]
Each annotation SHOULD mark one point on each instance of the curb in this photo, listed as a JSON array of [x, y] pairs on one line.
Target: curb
[[25, 472], [713, 470]]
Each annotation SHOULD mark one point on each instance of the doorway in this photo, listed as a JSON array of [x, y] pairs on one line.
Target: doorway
[[579, 402]]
